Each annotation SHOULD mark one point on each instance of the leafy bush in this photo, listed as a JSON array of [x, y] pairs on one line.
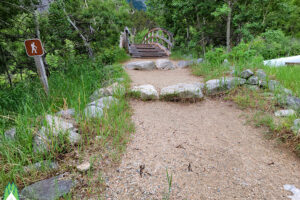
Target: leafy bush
[[112, 55]]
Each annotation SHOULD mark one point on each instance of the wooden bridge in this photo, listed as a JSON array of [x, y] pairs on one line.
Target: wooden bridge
[[157, 42]]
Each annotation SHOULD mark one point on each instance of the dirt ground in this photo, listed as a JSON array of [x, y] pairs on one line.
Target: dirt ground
[[207, 147]]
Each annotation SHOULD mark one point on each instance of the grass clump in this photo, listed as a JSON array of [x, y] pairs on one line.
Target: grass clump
[[26, 105]]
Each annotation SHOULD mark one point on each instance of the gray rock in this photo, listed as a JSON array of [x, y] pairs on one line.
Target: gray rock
[[46, 164], [10, 134], [147, 92], [261, 74], [58, 125], [225, 62], [164, 64], [49, 189], [93, 111], [273, 85], [115, 88], [199, 60], [141, 65], [104, 102], [253, 80], [293, 102], [66, 113], [182, 91], [184, 63], [74, 137], [246, 74], [216, 86], [285, 113], [41, 143], [296, 127]]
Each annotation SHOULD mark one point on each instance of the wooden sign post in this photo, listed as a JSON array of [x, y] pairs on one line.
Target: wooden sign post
[[35, 49]]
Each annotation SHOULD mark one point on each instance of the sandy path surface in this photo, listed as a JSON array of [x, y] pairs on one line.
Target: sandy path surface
[[206, 146]]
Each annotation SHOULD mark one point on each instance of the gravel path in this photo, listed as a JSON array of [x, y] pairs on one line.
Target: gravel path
[[206, 146]]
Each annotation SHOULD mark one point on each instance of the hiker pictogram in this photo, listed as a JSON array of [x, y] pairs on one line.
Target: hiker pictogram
[[34, 47]]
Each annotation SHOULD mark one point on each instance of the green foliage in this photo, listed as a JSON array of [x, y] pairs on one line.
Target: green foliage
[[138, 38], [112, 55]]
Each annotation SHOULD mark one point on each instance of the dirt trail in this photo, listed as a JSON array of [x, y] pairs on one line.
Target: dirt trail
[[206, 146]]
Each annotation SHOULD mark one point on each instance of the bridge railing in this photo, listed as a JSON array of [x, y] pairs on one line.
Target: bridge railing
[[161, 37]]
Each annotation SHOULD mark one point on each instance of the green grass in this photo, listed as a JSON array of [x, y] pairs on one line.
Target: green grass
[[25, 106], [288, 76]]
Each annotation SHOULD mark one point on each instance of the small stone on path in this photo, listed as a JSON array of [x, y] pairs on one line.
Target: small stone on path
[[84, 167]]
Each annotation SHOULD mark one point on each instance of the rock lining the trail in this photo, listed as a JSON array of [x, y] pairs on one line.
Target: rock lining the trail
[[246, 74], [182, 91], [10, 134], [285, 113], [49, 189], [216, 86], [69, 113], [146, 92], [111, 90], [165, 64], [141, 65]]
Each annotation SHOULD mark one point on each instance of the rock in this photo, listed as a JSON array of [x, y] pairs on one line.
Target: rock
[[246, 74], [225, 62], [74, 137], [46, 164], [115, 88], [199, 60], [41, 141], [164, 64], [66, 113], [296, 127], [93, 111], [49, 189], [58, 125], [293, 102], [294, 190], [216, 86], [84, 167], [104, 102], [273, 85], [184, 63], [10, 134], [147, 92], [261, 74], [253, 80], [141, 65], [285, 113], [182, 91], [120, 79]]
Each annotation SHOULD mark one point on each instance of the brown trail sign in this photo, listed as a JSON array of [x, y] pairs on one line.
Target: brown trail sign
[[35, 49]]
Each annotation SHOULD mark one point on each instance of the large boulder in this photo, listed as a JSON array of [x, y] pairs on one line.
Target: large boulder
[[216, 86], [182, 91], [49, 189], [146, 92], [164, 64], [246, 74], [115, 88], [141, 65]]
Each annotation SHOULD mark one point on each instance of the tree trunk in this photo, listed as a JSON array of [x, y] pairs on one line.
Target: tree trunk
[[228, 39], [85, 41], [5, 67]]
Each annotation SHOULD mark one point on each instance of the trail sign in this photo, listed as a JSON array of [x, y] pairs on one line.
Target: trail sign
[[34, 47]]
